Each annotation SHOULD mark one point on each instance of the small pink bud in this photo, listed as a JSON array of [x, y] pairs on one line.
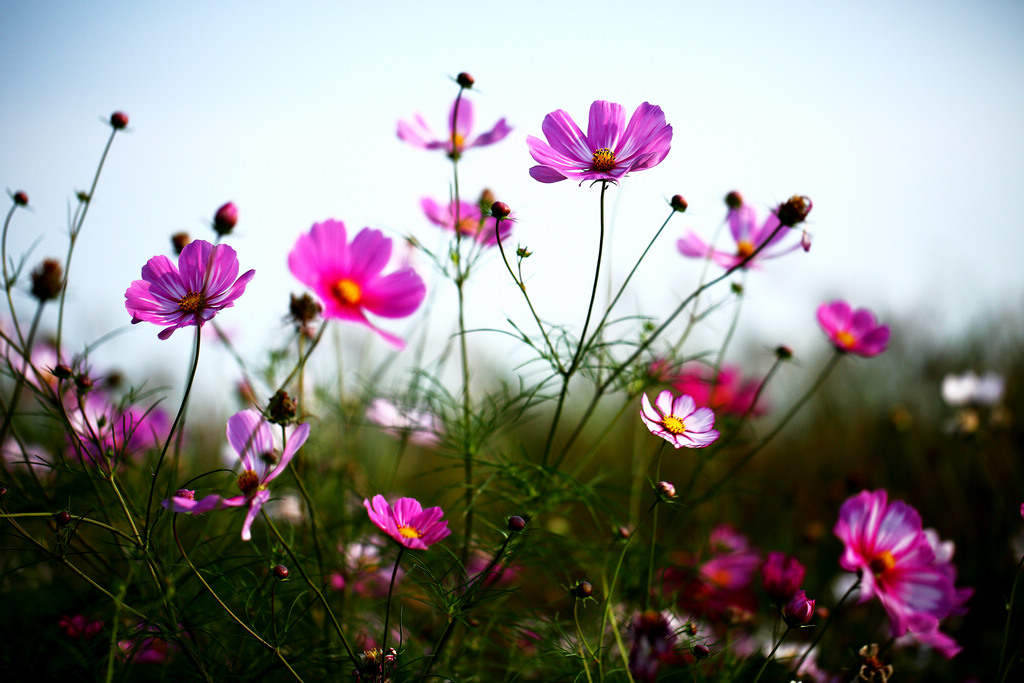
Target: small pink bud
[[678, 203], [119, 120], [798, 610], [500, 210], [666, 490], [465, 80], [20, 198], [805, 241], [226, 218]]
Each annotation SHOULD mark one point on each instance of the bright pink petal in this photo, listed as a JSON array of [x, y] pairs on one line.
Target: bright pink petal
[[607, 121]]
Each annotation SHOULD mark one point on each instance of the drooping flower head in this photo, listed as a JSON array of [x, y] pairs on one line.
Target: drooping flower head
[[348, 276], [407, 522], [747, 234], [459, 126], [678, 420], [471, 221], [608, 151], [886, 546], [252, 438], [853, 331], [204, 281]]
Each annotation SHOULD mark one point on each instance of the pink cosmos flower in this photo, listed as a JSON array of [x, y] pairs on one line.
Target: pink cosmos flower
[[886, 546], [204, 282], [253, 440], [472, 223], [418, 133], [407, 522], [850, 331], [608, 151], [725, 392], [678, 420], [347, 276], [743, 226]]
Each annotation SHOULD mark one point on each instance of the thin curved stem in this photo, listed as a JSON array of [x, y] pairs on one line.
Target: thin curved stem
[[387, 609], [772, 653]]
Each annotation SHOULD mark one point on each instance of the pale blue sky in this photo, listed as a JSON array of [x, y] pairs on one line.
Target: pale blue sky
[[903, 121]]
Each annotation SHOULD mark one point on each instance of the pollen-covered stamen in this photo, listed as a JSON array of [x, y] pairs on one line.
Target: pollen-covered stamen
[[348, 292], [603, 160], [673, 425], [248, 482], [409, 532], [192, 302], [744, 248], [845, 339], [882, 563]]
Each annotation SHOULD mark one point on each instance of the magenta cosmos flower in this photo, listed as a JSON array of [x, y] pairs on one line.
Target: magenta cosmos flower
[[471, 221], [253, 439], [348, 276], [608, 151], [204, 282], [678, 420], [457, 141], [407, 522], [897, 564], [748, 235], [851, 331]]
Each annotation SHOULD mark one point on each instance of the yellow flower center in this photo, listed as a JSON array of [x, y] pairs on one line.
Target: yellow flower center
[[458, 141], [603, 160], [409, 532], [882, 563], [348, 292], [673, 424], [192, 302], [248, 482], [845, 339], [744, 248]]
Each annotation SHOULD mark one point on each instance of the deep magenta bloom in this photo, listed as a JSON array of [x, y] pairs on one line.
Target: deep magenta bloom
[[471, 222], [252, 437], [886, 546], [348, 276], [851, 331], [748, 235], [608, 151], [678, 420], [407, 522], [781, 576], [798, 609], [724, 392], [418, 133], [204, 282]]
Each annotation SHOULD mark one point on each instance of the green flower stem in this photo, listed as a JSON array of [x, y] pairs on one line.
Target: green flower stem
[[772, 653], [80, 520], [824, 627], [170, 435], [315, 588], [610, 587], [19, 381], [234, 617], [387, 609], [9, 279], [578, 356], [654, 528], [584, 648]]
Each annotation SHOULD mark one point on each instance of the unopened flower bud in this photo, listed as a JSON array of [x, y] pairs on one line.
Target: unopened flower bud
[[624, 532], [700, 651], [187, 494], [500, 210], [3, 492], [63, 518], [179, 240], [678, 203], [582, 590], [666, 490], [783, 352], [83, 383], [20, 198], [486, 199], [798, 610], [119, 120], [281, 409], [47, 280], [82, 196], [516, 523], [304, 309], [226, 218], [805, 241], [62, 371], [736, 287], [734, 200], [281, 572], [794, 210], [523, 252], [464, 80]]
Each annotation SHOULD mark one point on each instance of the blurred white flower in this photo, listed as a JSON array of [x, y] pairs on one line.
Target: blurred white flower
[[968, 388]]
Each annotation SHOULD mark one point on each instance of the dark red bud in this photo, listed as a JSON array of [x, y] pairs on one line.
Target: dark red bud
[[179, 240], [119, 120], [464, 80], [281, 572], [63, 518], [583, 589], [83, 383], [734, 200], [226, 218], [783, 352], [794, 210], [47, 280], [3, 492], [500, 210], [516, 523], [678, 203], [282, 408], [62, 371], [20, 198], [701, 651]]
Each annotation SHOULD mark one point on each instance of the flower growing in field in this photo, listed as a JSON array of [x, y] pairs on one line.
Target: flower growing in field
[[853, 331], [407, 522], [348, 276], [678, 420], [896, 563], [460, 125], [747, 233], [252, 438], [608, 151], [204, 282]]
